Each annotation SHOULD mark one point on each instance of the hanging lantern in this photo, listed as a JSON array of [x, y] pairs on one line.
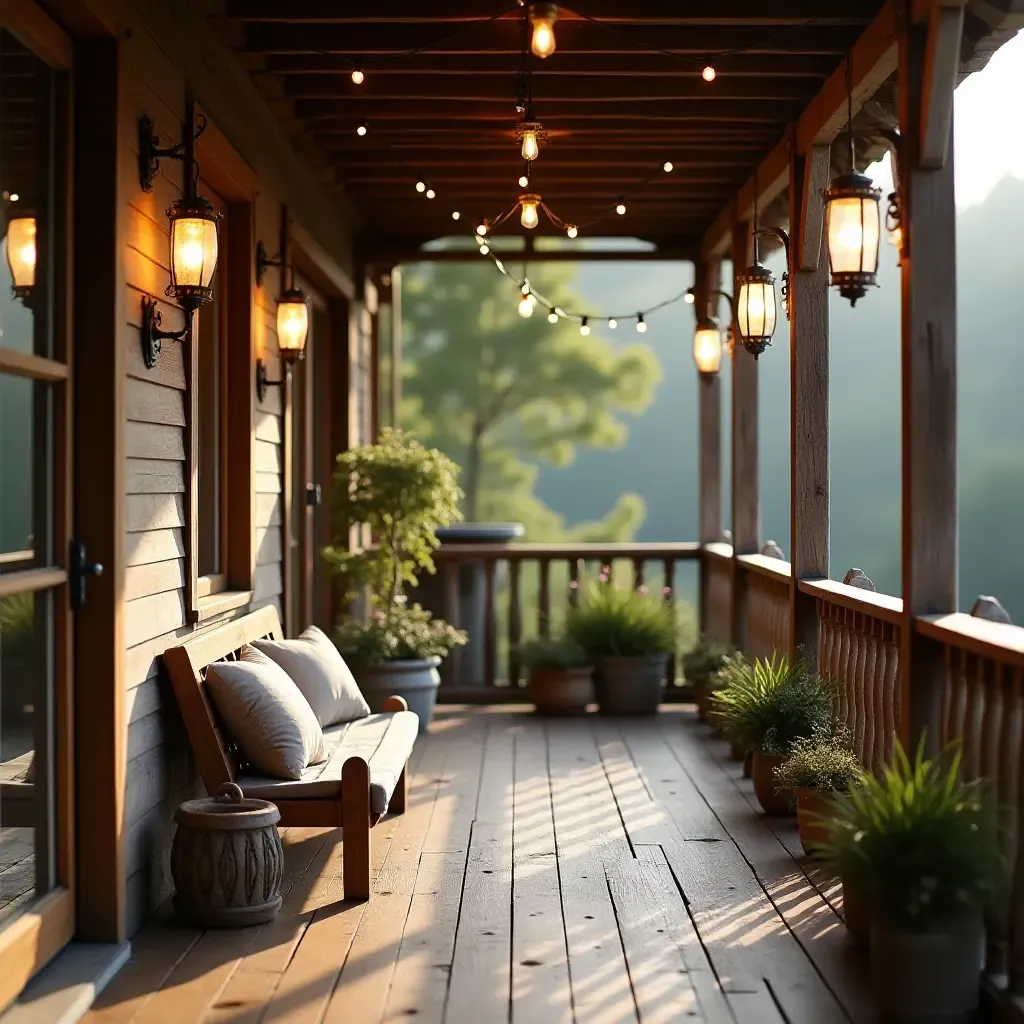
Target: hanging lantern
[[854, 226], [21, 253], [292, 324], [529, 216], [707, 348], [193, 251], [755, 308], [542, 20]]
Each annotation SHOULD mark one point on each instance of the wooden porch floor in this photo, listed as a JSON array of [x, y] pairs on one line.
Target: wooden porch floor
[[598, 871]]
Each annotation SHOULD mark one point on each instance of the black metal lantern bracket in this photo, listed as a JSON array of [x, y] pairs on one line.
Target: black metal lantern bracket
[[153, 336], [783, 236], [263, 261], [261, 378]]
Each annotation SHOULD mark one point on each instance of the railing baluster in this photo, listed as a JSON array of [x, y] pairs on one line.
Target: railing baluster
[[891, 695], [638, 573], [870, 688], [992, 736], [544, 598], [575, 567], [843, 669], [668, 594], [514, 623], [860, 687], [489, 623], [878, 676], [451, 614]]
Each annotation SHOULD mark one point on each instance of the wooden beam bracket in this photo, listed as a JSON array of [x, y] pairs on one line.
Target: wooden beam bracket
[[941, 67]]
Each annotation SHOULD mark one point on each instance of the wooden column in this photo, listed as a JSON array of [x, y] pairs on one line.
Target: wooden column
[[808, 346], [396, 347], [746, 499], [709, 403], [929, 370]]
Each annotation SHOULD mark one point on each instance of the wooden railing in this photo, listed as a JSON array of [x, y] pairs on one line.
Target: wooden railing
[[503, 594], [764, 593], [716, 591]]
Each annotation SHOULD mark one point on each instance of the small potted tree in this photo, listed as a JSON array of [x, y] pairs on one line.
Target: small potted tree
[[924, 846], [401, 492], [766, 707], [628, 634], [561, 677], [818, 767], [699, 668]]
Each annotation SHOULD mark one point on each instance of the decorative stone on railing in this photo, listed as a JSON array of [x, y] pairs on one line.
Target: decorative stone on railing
[[858, 578], [987, 607], [772, 550], [727, 536]]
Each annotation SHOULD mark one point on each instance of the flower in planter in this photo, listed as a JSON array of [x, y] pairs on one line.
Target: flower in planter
[[823, 762]]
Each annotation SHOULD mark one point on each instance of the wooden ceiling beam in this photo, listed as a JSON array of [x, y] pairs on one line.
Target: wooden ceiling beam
[[587, 164], [660, 12], [364, 42], [453, 89]]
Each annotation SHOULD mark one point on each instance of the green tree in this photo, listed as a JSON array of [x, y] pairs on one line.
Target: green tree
[[499, 393]]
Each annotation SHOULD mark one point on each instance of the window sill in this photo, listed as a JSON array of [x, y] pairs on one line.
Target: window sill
[[218, 604]]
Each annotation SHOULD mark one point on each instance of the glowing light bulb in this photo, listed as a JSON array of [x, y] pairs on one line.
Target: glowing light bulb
[[542, 18], [14, 197], [584, 327], [668, 167], [571, 230], [431, 193], [362, 129], [481, 229], [552, 317], [620, 208], [456, 215], [613, 323], [358, 77], [526, 306], [689, 297], [523, 181], [484, 248], [529, 217], [531, 147], [421, 186], [708, 74], [641, 324]]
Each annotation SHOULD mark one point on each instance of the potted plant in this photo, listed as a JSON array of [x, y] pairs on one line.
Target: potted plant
[[924, 846], [401, 492], [818, 766], [561, 678], [766, 707], [699, 668], [628, 634]]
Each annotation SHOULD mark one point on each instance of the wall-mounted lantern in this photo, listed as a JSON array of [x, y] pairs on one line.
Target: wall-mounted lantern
[[21, 253], [193, 223], [709, 341], [292, 312]]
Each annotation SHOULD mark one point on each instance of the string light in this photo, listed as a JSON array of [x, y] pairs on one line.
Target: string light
[[431, 193], [641, 324], [668, 167], [584, 327], [688, 298], [571, 230], [523, 181], [481, 229], [620, 208], [421, 186], [456, 215], [613, 323], [708, 74], [358, 77], [526, 305], [552, 316], [362, 129], [529, 217], [543, 18], [484, 248]]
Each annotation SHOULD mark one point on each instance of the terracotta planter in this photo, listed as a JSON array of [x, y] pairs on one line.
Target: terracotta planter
[[416, 681], [227, 860], [927, 977], [772, 800], [811, 806], [562, 691], [630, 686], [857, 912]]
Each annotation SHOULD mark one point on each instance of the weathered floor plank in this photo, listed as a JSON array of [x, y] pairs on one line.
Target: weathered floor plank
[[576, 871]]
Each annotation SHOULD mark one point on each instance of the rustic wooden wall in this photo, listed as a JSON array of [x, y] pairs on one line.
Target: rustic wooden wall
[[161, 770]]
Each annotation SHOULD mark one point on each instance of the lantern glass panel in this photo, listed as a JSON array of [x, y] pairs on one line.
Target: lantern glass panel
[[292, 325], [193, 251], [854, 226], [21, 251], [755, 309]]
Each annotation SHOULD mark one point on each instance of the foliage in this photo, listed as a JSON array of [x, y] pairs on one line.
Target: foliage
[[400, 633], [706, 658], [402, 492], [769, 705], [923, 842], [823, 761], [17, 624], [616, 622], [552, 652], [498, 393]]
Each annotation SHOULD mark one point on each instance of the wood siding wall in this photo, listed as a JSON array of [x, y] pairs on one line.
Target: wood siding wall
[[161, 770]]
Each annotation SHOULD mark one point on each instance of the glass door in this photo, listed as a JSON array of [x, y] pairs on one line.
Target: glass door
[[36, 903]]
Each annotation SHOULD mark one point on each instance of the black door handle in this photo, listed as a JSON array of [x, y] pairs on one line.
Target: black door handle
[[79, 569]]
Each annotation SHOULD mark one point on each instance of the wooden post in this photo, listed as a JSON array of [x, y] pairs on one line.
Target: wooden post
[[746, 500], [709, 399], [396, 347], [808, 345], [929, 382]]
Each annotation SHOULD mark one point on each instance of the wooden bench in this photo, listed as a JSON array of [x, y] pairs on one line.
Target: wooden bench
[[363, 778]]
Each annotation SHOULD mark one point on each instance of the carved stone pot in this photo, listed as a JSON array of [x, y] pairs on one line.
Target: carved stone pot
[[227, 860]]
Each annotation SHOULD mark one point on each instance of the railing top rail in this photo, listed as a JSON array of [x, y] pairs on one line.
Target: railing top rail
[[999, 641], [867, 602], [719, 550], [764, 565], [590, 552]]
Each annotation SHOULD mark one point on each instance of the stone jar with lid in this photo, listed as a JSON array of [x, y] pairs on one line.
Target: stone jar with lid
[[227, 860]]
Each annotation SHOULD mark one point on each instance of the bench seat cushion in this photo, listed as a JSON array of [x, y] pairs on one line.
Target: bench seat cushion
[[384, 741]]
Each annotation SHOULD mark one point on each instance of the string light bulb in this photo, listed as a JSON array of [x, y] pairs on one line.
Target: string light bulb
[[542, 20], [688, 298], [641, 324], [362, 129], [620, 208], [484, 248], [421, 186], [613, 323], [526, 305], [358, 77], [456, 215], [552, 316], [529, 217], [571, 230], [585, 326], [668, 167], [431, 193], [481, 229], [709, 74], [523, 181]]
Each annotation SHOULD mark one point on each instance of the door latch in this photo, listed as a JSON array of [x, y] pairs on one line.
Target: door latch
[[79, 570]]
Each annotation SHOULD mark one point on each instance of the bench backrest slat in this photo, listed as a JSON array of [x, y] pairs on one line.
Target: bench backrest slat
[[215, 751]]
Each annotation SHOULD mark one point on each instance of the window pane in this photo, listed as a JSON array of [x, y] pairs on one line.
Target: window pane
[[210, 399], [25, 473], [26, 127]]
